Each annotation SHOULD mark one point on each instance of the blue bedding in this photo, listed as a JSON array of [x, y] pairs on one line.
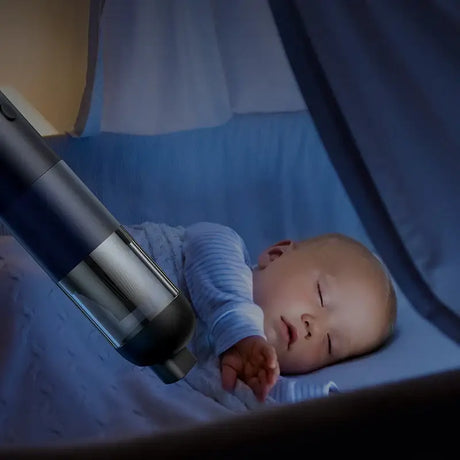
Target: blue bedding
[[269, 178]]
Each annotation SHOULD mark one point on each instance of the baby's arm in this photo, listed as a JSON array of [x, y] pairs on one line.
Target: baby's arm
[[219, 282]]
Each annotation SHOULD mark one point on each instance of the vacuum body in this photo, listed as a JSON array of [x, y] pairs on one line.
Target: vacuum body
[[91, 257]]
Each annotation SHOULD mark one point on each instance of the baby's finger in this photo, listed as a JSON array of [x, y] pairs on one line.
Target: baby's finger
[[272, 375], [256, 388], [271, 359], [229, 376], [264, 386]]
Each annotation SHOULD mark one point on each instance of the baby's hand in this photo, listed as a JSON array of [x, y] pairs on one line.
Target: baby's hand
[[254, 361]]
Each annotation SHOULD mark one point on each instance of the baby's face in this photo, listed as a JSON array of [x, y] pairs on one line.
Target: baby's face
[[323, 301]]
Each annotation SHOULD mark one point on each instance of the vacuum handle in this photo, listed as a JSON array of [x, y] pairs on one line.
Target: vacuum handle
[[24, 154]]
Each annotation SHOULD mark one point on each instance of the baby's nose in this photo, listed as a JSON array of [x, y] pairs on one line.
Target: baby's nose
[[307, 323]]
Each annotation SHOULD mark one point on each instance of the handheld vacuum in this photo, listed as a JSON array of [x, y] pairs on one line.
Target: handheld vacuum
[[90, 256]]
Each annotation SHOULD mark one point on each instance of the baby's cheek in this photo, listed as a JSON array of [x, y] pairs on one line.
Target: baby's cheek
[[272, 336], [301, 361], [289, 364]]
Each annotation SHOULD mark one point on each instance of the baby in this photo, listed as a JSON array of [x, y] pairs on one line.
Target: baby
[[324, 300], [305, 305]]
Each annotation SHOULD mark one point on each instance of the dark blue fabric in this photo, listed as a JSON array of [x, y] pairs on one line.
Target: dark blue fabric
[[381, 81], [89, 117]]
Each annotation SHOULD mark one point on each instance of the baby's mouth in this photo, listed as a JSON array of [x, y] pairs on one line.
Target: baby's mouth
[[291, 332]]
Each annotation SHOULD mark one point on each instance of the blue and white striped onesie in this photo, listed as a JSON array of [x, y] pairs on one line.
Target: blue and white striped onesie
[[210, 264]]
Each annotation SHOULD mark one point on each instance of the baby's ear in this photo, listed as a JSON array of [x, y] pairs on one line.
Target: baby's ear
[[273, 252]]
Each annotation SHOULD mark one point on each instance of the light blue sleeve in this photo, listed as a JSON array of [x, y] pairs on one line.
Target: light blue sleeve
[[291, 390], [219, 281]]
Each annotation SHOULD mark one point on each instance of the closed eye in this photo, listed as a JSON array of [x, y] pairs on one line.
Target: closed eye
[[329, 344], [320, 294]]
